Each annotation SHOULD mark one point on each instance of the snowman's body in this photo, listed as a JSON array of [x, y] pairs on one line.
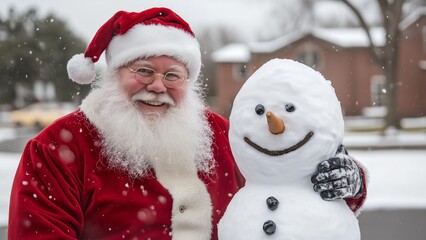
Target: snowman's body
[[285, 120], [301, 215]]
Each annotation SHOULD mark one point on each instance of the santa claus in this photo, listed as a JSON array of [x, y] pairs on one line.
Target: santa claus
[[142, 158]]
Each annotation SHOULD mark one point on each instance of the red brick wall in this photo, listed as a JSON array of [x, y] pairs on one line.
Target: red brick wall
[[412, 79]]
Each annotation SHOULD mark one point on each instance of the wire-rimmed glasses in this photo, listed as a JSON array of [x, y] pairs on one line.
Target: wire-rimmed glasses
[[171, 79]]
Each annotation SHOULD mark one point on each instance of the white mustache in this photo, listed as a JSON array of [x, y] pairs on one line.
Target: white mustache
[[153, 97]]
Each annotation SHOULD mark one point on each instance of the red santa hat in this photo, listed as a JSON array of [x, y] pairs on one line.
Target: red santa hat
[[128, 36]]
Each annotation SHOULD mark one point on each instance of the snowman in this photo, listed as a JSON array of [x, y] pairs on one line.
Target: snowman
[[285, 120]]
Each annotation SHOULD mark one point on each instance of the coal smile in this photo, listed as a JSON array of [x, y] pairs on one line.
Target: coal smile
[[280, 152]]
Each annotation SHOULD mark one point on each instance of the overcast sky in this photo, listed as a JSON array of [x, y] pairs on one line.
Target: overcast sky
[[86, 16], [250, 19]]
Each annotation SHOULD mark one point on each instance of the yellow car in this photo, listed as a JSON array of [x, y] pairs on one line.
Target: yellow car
[[40, 114]]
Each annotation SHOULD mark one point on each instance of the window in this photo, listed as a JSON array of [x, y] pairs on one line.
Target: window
[[310, 55], [378, 90], [424, 38], [240, 71]]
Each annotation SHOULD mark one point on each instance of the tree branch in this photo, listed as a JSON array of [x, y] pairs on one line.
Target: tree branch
[[373, 48]]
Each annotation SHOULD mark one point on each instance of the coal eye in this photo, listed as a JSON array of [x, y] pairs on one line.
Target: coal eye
[[289, 107], [260, 109]]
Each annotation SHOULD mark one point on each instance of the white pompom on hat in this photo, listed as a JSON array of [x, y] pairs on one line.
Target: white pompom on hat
[[128, 36]]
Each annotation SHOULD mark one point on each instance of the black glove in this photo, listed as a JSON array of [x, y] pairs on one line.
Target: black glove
[[338, 177]]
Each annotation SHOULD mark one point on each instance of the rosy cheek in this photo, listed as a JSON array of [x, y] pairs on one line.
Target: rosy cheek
[[178, 95], [130, 86], [133, 86]]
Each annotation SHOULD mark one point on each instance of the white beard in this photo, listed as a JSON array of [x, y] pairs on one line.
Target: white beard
[[134, 143]]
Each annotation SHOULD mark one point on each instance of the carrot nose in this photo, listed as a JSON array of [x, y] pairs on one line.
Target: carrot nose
[[276, 125]]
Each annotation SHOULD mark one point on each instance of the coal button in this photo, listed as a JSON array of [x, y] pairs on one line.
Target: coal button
[[269, 227], [272, 203]]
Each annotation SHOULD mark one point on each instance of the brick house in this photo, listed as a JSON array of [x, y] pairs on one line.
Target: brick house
[[342, 56]]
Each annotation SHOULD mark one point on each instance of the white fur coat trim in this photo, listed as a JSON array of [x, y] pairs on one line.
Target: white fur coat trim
[[192, 208]]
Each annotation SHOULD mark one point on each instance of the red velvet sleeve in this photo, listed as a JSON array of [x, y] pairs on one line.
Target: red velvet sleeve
[[45, 198], [222, 123]]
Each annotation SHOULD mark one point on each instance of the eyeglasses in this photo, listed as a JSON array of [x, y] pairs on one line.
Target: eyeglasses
[[146, 75]]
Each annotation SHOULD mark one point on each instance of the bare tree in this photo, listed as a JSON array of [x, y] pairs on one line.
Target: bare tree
[[386, 57]]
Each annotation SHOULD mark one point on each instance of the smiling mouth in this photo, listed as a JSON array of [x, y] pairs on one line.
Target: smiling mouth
[[152, 103], [280, 152]]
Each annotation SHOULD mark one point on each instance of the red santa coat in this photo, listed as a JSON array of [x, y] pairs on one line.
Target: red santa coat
[[64, 190]]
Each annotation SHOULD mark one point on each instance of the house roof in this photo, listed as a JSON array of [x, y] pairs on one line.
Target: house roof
[[351, 37], [342, 37], [412, 18], [236, 52]]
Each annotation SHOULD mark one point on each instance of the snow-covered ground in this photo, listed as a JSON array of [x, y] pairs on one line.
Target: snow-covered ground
[[395, 139], [9, 163], [397, 176]]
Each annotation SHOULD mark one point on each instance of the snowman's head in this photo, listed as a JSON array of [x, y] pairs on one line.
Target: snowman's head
[[285, 120]]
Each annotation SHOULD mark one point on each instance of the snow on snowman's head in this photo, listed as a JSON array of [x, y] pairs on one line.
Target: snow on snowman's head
[[305, 102]]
